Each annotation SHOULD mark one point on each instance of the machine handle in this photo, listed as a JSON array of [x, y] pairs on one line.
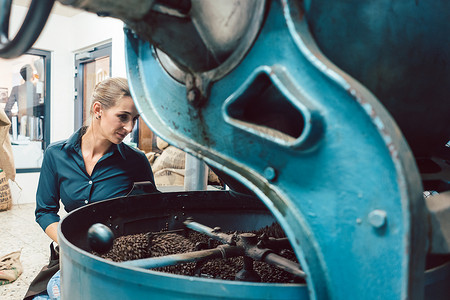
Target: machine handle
[[196, 256], [29, 31]]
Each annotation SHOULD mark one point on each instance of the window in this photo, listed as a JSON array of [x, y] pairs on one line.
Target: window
[[25, 97]]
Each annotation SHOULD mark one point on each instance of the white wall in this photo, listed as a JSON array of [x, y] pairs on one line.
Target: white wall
[[90, 30], [65, 36]]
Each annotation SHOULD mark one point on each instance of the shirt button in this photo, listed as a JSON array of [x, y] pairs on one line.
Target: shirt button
[[90, 181], [85, 201]]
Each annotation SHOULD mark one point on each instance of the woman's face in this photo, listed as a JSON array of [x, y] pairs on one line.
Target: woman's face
[[118, 121]]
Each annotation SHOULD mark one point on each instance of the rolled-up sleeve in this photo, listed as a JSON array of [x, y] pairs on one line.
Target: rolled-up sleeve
[[47, 196]]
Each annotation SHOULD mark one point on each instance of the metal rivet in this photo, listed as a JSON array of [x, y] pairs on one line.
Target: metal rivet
[[377, 218], [270, 174]]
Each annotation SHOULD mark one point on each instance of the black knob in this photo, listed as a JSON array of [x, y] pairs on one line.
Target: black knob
[[100, 238]]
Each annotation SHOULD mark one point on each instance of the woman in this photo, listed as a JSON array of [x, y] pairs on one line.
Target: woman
[[92, 165]]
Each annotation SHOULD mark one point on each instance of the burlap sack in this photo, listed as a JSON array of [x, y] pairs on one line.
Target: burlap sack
[[5, 193], [151, 156], [161, 144], [169, 177], [212, 177], [172, 159], [10, 267], [6, 155]]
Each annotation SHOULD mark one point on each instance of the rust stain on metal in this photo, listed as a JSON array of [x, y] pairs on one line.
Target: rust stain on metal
[[376, 120], [197, 115], [175, 125], [301, 11]]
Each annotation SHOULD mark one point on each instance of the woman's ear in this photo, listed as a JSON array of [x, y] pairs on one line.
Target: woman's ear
[[97, 108]]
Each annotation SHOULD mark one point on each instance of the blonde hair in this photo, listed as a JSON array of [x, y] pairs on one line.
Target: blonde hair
[[109, 91]]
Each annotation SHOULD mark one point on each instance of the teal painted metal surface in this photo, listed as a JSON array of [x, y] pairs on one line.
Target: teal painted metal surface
[[316, 146], [322, 180]]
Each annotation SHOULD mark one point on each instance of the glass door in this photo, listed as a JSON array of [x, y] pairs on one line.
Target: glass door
[[25, 98], [91, 67]]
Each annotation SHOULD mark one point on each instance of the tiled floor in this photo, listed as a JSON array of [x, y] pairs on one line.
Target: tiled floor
[[19, 231]]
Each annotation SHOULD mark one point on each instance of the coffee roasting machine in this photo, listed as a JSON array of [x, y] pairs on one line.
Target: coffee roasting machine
[[331, 118]]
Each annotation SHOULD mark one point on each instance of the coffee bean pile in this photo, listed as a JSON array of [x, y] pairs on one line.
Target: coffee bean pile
[[270, 273], [129, 247], [170, 243], [167, 244], [273, 230], [144, 245]]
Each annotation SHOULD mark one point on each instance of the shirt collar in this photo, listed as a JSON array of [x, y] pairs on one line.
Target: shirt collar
[[121, 149], [74, 142]]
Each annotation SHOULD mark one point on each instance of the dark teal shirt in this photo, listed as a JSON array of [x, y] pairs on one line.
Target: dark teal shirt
[[63, 176]]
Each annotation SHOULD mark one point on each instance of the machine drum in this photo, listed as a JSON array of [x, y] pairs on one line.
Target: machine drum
[[163, 248]]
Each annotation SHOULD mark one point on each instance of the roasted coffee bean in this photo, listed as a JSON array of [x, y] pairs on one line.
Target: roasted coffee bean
[[144, 245]]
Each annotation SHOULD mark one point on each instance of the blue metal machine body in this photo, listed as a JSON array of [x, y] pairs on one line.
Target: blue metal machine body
[[320, 108], [343, 184], [316, 146]]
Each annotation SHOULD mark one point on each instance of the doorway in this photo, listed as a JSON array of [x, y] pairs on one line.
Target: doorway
[[25, 98], [91, 67]]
